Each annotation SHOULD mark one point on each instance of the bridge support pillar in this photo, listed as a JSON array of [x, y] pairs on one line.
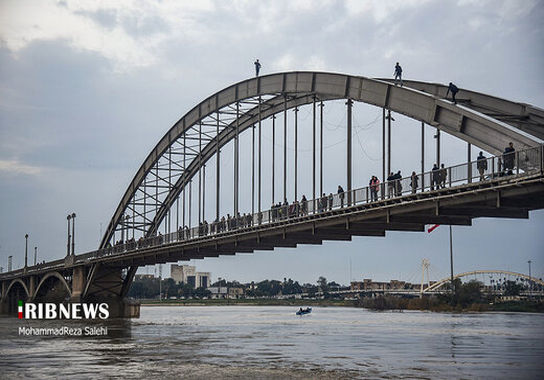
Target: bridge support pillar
[[78, 283], [31, 287]]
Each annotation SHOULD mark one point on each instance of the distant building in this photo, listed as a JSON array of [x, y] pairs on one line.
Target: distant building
[[140, 277], [236, 292], [225, 292], [187, 274], [218, 292]]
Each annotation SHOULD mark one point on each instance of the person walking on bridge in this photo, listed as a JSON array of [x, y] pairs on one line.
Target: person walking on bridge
[[443, 174], [391, 185], [341, 195], [374, 185], [481, 165], [398, 74], [508, 158], [435, 177], [257, 67], [414, 180], [454, 90]]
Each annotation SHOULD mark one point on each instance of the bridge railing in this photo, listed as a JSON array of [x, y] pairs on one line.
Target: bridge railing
[[499, 167], [495, 168]]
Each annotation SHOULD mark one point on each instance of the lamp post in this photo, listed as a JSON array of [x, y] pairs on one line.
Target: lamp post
[[26, 250], [73, 233], [10, 263], [530, 281], [35, 255], [68, 244]]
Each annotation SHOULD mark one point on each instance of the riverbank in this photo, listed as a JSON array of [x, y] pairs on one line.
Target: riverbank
[[377, 303], [250, 302]]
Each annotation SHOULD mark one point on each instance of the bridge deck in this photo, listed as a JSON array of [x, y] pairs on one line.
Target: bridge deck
[[505, 197]]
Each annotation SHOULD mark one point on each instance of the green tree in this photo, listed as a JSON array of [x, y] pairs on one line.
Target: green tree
[[202, 293], [322, 283]]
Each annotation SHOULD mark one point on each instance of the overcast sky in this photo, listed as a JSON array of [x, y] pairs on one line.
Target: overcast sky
[[87, 88]]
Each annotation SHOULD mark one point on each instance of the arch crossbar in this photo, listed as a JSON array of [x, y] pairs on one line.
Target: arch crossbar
[[447, 280], [181, 155]]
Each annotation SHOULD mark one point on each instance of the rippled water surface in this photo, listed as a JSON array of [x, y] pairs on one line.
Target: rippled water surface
[[273, 343]]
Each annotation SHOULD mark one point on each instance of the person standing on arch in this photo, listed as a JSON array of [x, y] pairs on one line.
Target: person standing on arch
[[398, 74], [257, 67], [454, 90]]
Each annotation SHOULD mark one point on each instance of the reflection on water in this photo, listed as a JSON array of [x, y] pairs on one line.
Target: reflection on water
[[272, 342]]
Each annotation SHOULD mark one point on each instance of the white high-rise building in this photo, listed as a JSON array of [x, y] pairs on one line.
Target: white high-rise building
[[187, 274]]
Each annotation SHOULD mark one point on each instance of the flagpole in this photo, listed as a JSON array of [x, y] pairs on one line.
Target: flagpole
[[451, 262]]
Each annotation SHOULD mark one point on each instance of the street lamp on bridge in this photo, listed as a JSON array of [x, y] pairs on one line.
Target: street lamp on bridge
[[26, 250], [68, 244], [530, 281], [71, 217], [73, 233]]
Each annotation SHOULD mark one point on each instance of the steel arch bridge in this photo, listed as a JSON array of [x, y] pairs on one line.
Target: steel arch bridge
[[200, 134], [444, 281], [134, 237]]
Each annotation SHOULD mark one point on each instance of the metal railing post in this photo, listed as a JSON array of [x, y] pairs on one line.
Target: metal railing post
[[517, 162], [492, 167], [449, 174]]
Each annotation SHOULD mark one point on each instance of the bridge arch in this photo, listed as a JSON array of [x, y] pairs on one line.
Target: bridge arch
[[56, 275], [20, 282], [220, 118], [447, 280]]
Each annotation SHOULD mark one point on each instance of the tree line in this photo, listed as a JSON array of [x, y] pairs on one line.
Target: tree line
[[148, 288]]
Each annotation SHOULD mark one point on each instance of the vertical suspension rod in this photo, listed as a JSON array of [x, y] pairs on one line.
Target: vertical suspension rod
[[217, 171], [285, 148], [203, 192], [236, 158], [313, 153], [469, 165], [296, 152], [388, 142], [273, 157], [185, 173], [438, 147], [260, 154], [349, 148], [199, 172], [190, 201], [321, 105], [253, 169], [422, 155], [383, 146]]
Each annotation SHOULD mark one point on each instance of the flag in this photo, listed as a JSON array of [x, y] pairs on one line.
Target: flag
[[431, 229]]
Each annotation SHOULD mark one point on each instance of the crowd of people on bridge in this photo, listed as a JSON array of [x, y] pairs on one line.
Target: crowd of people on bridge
[[282, 211]]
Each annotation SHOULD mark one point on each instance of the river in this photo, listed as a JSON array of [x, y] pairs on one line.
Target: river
[[271, 342]]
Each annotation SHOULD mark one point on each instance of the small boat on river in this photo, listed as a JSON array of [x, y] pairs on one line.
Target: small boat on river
[[302, 311]]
